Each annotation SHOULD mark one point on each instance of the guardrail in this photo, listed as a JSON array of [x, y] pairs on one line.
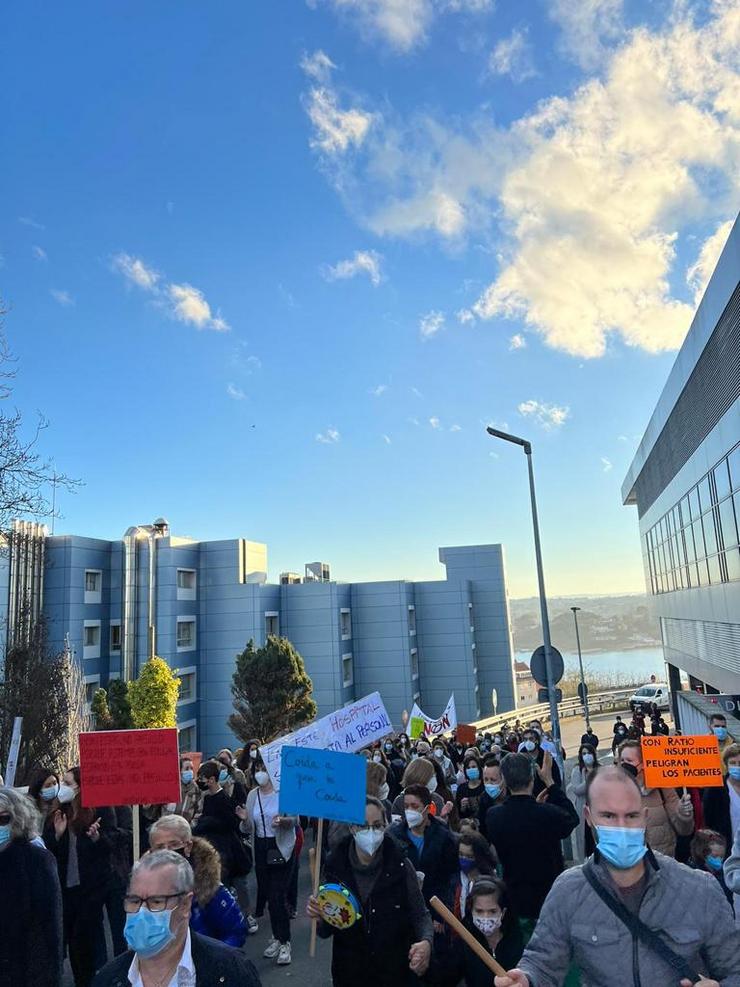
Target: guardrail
[[598, 703]]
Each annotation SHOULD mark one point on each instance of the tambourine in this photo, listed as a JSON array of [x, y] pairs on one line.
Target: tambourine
[[339, 907]]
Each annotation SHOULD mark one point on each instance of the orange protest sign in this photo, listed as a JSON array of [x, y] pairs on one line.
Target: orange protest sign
[[670, 762]]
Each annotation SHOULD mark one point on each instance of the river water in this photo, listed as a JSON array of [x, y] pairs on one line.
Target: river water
[[636, 665]]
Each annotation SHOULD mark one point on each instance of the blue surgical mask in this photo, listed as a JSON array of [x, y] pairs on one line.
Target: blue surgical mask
[[493, 790], [5, 835], [223, 775], [466, 864], [734, 770], [529, 745], [148, 933], [621, 846], [49, 794], [588, 759], [715, 863], [473, 773], [187, 777], [720, 733]]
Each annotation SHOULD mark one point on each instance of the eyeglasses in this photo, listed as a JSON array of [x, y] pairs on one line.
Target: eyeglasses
[[154, 903], [375, 828], [5, 818]]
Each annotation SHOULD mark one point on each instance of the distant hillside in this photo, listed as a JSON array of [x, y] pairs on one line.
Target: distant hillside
[[606, 623]]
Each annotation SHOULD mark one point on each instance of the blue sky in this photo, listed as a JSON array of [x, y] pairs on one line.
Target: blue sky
[[272, 266]]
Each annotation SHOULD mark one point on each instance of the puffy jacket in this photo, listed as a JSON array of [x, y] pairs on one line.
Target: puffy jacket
[[687, 907], [664, 822], [215, 912]]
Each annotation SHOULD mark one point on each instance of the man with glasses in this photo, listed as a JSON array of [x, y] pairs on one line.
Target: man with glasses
[[163, 951]]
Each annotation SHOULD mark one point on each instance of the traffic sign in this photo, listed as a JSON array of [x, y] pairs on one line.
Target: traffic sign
[[494, 700], [539, 670], [543, 695]]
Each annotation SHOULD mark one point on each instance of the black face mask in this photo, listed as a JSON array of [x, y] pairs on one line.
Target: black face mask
[[202, 785], [181, 851], [630, 769]]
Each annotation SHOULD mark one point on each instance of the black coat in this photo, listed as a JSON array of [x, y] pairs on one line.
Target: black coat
[[216, 965], [526, 836], [30, 917], [219, 824], [716, 805], [439, 860], [376, 947], [539, 785], [471, 969], [94, 859]]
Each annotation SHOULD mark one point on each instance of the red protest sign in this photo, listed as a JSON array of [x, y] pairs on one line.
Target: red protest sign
[[129, 767], [465, 734]]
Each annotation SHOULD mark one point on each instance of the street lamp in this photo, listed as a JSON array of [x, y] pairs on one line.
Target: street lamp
[[584, 697], [554, 716]]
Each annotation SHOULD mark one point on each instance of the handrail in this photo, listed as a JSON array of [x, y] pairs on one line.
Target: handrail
[[568, 707]]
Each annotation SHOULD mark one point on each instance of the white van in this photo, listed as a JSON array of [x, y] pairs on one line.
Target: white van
[[653, 692]]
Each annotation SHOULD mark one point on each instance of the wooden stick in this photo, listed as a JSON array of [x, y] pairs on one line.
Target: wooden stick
[[136, 833], [467, 937], [316, 879], [312, 863]]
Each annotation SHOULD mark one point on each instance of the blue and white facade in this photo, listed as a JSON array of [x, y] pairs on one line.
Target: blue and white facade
[[685, 483], [198, 603]]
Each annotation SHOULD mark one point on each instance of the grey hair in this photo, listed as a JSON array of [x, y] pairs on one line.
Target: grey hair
[[177, 824], [166, 858], [25, 819]]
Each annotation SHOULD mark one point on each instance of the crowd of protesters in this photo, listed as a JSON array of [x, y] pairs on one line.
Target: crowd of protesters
[[481, 827]]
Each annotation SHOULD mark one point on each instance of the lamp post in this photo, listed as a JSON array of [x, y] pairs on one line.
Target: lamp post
[[580, 665], [554, 716]]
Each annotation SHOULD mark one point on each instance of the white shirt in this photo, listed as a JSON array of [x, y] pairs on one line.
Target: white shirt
[[734, 809], [269, 810], [184, 975]]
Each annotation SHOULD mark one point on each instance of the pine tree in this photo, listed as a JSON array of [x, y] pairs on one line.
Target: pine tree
[[119, 705], [153, 696], [271, 690], [100, 711]]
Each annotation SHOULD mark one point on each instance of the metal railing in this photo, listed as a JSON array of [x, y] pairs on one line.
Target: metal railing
[[600, 702]]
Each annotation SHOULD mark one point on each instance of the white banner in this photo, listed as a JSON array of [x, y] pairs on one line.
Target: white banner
[[346, 730], [15, 745], [421, 725]]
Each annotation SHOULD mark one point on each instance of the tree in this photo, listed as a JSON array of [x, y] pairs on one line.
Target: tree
[[100, 711], [119, 705], [48, 691], [153, 696], [271, 690]]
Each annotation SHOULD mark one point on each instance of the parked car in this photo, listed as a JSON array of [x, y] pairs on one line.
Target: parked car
[[653, 692]]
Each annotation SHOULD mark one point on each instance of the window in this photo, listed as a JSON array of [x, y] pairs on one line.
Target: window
[[727, 520], [734, 461], [188, 685], [722, 480], [412, 619], [187, 736], [93, 585], [345, 623], [91, 639], [272, 623], [705, 497], [710, 537], [186, 633], [470, 618], [92, 684], [115, 636], [186, 584], [348, 671], [414, 663]]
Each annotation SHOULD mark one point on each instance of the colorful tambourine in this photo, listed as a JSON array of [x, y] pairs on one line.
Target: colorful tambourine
[[339, 907]]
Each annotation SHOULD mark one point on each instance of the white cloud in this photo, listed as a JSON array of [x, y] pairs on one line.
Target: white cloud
[[547, 416], [380, 389], [517, 342], [387, 440], [28, 221], [39, 253], [456, 428], [430, 324], [416, 392], [414, 421], [698, 275], [363, 262], [622, 438], [587, 26], [330, 437], [317, 66], [136, 271], [335, 130], [189, 305], [465, 316], [606, 465], [435, 422], [235, 392], [62, 297], [512, 56]]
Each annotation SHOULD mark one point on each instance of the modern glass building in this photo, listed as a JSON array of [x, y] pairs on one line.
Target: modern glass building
[[685, 483], [196, 604]]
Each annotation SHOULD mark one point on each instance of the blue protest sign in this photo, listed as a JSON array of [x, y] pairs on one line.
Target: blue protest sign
[[322, 783]]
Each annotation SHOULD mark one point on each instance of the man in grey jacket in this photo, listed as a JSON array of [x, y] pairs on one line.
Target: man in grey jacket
[[686, 908]]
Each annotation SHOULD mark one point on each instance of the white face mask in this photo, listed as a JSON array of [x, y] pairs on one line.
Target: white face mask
[[384, 791], [253, 755], [432, 784], [439, 753], [487, 925], [66, 793], [262, 778], [377, 758], [414, 819], [369, 840]]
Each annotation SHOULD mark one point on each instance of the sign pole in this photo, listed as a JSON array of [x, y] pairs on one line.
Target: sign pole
[[15, 745], [316, 880], [137, 832]]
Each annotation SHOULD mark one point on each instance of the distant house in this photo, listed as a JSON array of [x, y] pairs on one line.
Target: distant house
[[526, 687]]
